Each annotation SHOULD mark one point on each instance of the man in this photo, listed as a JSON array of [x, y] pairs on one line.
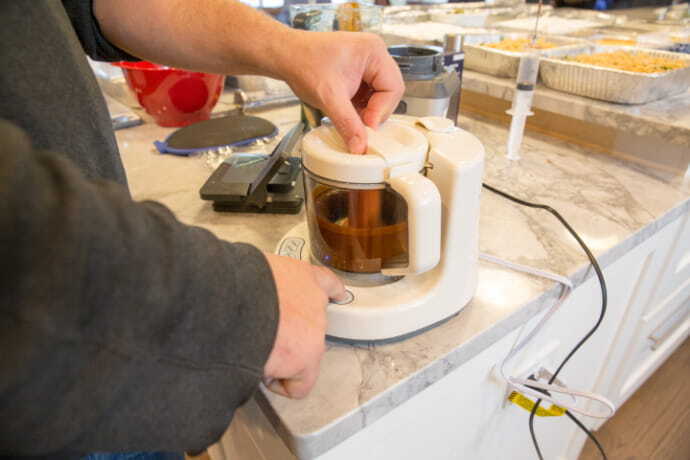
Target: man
[[120, 328]]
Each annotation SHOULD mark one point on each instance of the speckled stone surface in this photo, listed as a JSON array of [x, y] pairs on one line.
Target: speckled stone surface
[[613, 205], [668, 119]]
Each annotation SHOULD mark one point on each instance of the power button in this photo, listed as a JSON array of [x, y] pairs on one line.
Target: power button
[[349, 298]]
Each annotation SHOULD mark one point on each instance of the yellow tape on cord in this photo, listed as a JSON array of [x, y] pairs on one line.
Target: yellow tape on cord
[[527, 404]]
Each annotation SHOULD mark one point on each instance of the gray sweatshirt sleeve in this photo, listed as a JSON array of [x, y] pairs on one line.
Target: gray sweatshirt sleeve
[[120, 328], [93, 41]]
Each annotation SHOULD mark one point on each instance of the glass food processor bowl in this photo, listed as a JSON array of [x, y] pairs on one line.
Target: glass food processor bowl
[[357, 229], [374, 217]]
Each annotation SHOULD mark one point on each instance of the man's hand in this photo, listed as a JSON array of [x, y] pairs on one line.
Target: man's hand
[[350, 76], [303, 293]]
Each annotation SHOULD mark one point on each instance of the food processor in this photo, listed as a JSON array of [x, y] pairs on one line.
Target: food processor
[[398, 224]]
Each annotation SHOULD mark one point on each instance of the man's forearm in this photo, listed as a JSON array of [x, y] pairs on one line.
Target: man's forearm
[[218, 36], [223, 36]]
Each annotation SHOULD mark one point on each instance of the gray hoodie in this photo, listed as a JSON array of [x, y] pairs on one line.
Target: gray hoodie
[[121, 329]]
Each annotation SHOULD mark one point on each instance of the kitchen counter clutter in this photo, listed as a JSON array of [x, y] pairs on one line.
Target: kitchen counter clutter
[[434, 395]]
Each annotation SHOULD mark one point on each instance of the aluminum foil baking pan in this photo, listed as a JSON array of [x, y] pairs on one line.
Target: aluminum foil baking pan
[[598, 16], [623, 30], [405, 17], [639, 41], [533, 9], [451, 6], [505, 63], [594, 39], [432, 33], [612, 85], [608, 31]]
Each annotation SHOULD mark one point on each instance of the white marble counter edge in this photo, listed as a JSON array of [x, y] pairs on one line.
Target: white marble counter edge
[[311, 445], [589, 110]]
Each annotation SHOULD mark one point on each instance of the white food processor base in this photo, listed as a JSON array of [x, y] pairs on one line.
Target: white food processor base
[[388, 312]]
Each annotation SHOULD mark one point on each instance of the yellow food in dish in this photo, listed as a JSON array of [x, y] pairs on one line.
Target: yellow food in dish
[[632, 62], [681, 39], [520, 44], [617, 41]]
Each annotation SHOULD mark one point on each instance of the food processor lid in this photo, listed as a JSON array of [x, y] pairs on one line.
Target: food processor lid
[[393, 149]]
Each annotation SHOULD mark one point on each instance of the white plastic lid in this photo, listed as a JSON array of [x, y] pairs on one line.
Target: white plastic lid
[[393, 148]]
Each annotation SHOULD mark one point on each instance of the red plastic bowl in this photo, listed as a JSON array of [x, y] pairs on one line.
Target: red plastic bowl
[[173, 97]]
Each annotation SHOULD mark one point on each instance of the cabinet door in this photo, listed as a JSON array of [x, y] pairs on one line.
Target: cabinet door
[[675, 277], [663, 320], [632, 357]]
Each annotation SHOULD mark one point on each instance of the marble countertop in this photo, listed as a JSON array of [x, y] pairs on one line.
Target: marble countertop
[[599, 195], [668, 119]]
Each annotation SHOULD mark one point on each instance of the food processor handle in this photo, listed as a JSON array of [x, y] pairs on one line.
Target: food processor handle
[[423, 222]]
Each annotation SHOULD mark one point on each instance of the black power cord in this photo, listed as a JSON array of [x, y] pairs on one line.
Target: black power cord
[[575, 420], [604, 301], [589, 434]]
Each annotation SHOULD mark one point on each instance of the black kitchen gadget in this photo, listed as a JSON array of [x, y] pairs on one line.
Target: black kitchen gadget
[[259, 183], [216, 134]]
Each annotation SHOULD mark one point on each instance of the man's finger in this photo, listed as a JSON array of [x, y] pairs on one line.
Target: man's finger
[[276, 386], [362, 96], [348, 123], [380, 106], [331, 284], [384, 77], [299, 386]]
